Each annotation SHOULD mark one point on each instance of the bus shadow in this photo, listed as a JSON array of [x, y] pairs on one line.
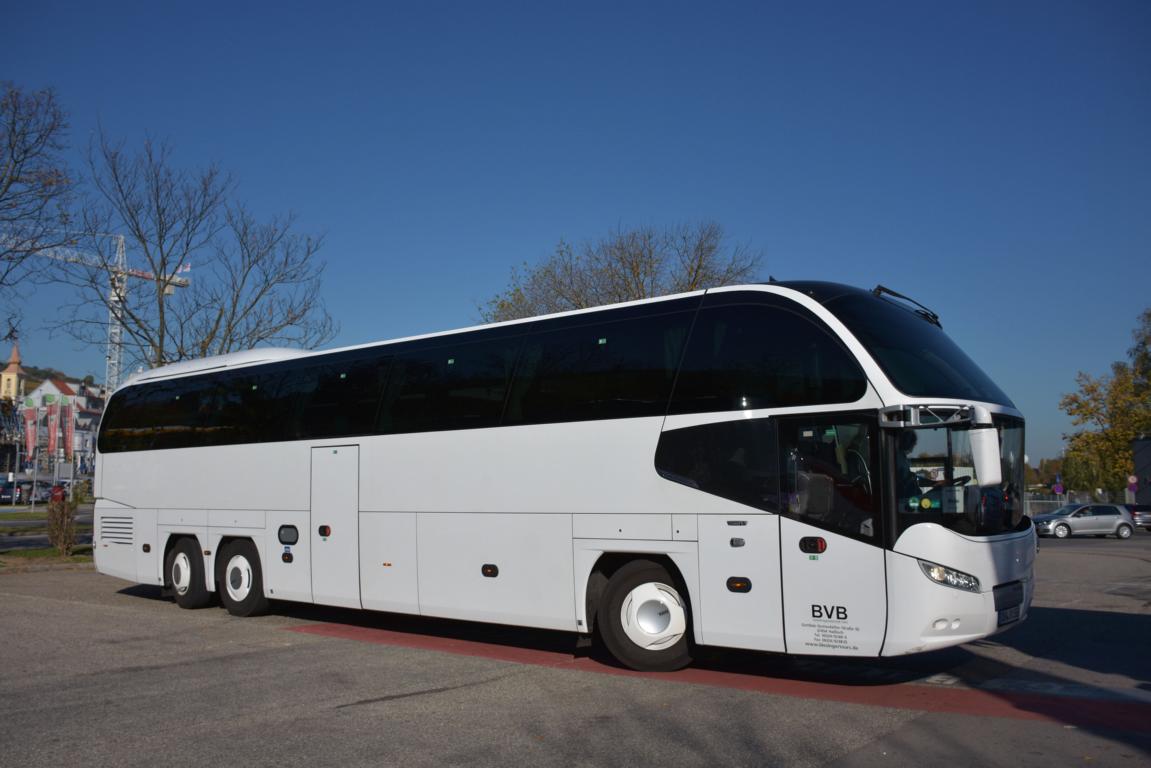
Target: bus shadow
[[1084, 645], [146, 591], [545, 640], [1091, 643]]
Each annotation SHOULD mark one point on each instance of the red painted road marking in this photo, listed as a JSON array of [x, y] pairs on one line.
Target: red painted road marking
[[1068, 710]]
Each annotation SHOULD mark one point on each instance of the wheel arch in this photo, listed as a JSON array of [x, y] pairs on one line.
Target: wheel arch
[[597, 561]]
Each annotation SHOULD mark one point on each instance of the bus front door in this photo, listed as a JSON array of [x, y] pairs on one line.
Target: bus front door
[[830, 544], [335, 525], [834, 592]]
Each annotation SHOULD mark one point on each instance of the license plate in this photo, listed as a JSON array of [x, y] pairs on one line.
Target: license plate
[[1008, 615]]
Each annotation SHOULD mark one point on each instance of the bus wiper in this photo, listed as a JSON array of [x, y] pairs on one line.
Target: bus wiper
[[923, 311]]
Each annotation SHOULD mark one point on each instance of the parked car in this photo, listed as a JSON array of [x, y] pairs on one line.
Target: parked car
[[1086, 519], [1141, 514], [6, 491], [39, 495]]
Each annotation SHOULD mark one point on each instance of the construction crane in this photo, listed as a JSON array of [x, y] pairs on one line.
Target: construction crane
[[118, 273]]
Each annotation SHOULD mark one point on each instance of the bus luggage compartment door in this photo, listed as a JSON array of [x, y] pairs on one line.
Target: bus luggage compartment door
[[739, 581], [334, 528]]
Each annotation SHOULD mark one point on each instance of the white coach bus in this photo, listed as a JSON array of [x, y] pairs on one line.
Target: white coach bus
[[732, 467]]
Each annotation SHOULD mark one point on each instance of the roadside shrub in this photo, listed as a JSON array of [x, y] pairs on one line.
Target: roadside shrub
[[62, 526]]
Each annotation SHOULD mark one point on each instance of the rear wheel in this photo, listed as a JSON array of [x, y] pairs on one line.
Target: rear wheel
[[184, 572], [644, 620], [1062, 531], [241, 582], [1123, 532]]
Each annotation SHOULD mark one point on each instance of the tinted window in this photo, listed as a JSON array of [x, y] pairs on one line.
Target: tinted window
[[121, 428], [737, 460], [916, 355], [763, 356], [336, 396], [582, 367], [328, 396], [574, 369], [456, 386], [829, 472]]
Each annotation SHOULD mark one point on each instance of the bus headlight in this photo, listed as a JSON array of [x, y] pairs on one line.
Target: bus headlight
[[949, 577]]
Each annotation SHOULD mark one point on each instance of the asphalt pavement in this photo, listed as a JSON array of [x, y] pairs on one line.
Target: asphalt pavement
[[98, 671]]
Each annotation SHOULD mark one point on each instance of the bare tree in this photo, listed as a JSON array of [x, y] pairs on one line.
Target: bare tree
[[34, 186], [264, 288], [624, 266], [248, 283]]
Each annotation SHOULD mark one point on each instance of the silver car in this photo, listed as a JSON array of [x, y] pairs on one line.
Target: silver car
[[1086, 519]]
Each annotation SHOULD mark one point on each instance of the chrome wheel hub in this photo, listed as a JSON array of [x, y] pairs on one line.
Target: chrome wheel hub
[[653, 616], [181, 573], [238, 578]]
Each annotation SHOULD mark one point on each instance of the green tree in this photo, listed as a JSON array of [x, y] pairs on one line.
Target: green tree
[[1113, 410], [1140, 352]]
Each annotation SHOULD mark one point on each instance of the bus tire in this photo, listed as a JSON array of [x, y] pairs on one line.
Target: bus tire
[[184, 571], [643, 619], [241, 582]]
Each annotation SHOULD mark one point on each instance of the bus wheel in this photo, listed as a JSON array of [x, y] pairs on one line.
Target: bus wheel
[[643, 619], [241, 584], [184, 569]]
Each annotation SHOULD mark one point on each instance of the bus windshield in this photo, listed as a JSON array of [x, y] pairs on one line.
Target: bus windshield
[[918, 357], [935, 481]]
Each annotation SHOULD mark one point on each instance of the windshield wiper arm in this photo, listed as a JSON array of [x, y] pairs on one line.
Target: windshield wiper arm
[[923, 311]]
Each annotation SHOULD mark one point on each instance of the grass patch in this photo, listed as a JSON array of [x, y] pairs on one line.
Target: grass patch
[[44, 555], [23, 514], [38, 530]]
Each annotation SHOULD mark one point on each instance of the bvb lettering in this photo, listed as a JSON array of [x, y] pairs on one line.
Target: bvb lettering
[[838, 612]]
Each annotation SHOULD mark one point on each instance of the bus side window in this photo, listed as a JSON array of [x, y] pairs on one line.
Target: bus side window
[[179, 411], [733, 459], [452, 386], [341, 396], [746, 356], [828, 476], [574, 370]]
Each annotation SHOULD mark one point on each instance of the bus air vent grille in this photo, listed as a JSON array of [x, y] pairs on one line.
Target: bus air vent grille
[[116, 529]]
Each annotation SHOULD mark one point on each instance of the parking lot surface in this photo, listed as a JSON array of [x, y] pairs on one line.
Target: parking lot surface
[[97, 671]]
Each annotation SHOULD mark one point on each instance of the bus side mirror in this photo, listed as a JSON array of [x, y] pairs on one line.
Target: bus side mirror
[[985, 454]]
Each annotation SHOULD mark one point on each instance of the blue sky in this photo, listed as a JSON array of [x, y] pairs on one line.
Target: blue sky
[[992, 160]]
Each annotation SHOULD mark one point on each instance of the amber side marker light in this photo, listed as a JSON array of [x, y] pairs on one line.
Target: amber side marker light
[[739, 584]]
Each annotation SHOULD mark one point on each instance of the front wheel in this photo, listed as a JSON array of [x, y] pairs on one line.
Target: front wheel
[[1062, 531], [241, 583], [643, 620], [1123, 532]]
